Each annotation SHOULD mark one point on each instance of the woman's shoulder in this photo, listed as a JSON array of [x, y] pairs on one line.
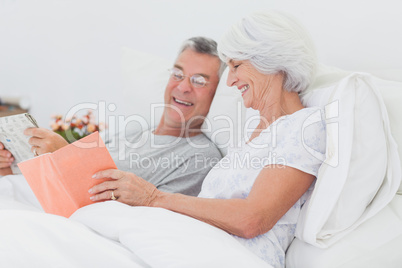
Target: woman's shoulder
[[305, 124], [305, 128], [299, 118], [308, 121], [307, 113]]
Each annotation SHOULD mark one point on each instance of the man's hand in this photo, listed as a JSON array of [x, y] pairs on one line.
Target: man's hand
[[125, 186], [44, 140], [6, 159]]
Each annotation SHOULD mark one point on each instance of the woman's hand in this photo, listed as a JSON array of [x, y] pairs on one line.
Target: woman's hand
[[44, 140], [125, 186]]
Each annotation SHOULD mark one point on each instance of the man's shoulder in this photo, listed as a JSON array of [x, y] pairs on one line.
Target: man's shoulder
[[196, 145], [123, 134], [202, 139]]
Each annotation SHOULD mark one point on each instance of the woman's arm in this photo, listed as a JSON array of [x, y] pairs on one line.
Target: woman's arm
[[274, 192]]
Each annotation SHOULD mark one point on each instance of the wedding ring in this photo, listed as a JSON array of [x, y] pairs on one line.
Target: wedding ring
[[35, 152], [113, 197]]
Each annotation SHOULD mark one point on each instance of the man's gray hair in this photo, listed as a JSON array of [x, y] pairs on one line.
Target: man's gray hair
[[203, 45], [273, 42]]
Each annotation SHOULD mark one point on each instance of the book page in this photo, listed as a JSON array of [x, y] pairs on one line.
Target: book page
[[12, 136]]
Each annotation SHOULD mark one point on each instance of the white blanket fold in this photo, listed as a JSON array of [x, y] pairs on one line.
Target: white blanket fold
[[164, 238]]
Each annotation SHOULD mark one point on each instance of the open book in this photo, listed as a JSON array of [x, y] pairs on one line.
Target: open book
[[12, 136], [61, 180]]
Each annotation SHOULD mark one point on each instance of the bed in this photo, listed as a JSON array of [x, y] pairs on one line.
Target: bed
[[354, 218]]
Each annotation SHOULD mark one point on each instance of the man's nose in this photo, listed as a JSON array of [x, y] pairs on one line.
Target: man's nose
[[185, 85]]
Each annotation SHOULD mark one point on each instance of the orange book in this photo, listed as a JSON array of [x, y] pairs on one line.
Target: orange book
[[61, 180]]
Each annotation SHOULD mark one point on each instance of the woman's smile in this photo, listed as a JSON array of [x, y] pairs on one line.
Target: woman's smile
[[244, 89]]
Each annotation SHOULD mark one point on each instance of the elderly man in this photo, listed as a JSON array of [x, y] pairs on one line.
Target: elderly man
[[176, 155]]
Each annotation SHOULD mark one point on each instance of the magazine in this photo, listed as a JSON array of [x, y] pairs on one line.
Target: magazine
[[12, 136]]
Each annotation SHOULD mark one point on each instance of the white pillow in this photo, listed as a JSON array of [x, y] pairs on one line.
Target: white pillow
[[163, 238], [362, 171], [375, 243], [391, 92], [389, 84], [145, 78], [144, 81]]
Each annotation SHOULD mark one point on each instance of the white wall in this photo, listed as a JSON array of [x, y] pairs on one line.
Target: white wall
[[60, 52]]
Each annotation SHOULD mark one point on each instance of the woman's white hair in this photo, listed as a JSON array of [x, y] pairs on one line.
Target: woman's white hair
[[273, 42]]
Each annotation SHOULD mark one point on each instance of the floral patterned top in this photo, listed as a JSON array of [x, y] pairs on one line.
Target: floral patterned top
[[297, 140]]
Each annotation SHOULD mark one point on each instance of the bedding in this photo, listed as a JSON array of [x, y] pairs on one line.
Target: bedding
[[31, 238], [164, 238], [358, 131], [36, 239], [109, 234], [375, 243]]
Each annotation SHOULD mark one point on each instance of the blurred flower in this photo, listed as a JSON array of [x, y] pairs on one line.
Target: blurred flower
[[91, 128], [65, 126], [54, 126], [75, 128]]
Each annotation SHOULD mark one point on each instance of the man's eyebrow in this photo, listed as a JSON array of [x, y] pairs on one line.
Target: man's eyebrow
[[178, 67], [181, 68]]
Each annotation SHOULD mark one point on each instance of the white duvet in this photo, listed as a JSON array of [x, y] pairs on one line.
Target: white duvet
[[109, 234]]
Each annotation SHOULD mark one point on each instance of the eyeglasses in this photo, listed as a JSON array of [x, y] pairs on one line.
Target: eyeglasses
[[196, 80]]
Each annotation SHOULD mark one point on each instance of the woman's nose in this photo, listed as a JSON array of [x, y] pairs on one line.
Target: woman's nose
[[232, 78]]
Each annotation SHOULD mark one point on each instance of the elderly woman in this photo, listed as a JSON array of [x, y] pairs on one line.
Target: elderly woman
[[256, 192]]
